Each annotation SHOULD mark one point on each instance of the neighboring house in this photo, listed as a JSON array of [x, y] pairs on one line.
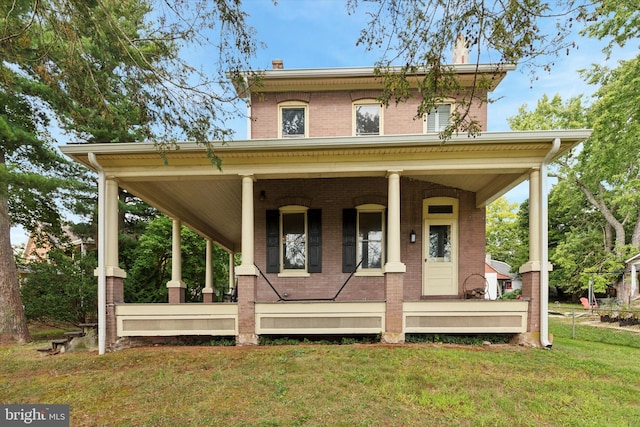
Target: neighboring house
[[35, 250], [500, 277], [628, 290], [351, 218]]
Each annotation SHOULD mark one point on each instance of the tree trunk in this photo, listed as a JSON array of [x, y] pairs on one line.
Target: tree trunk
[[13, 323], [608, 237], [617, 226]]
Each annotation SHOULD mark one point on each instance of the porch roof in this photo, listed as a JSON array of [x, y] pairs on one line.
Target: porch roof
[[208, 200]]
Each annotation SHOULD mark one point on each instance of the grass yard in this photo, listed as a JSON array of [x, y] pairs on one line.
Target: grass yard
[[577, 383]]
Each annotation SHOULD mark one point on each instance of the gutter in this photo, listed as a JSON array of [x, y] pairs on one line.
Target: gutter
[[544, 246], [102, 277]]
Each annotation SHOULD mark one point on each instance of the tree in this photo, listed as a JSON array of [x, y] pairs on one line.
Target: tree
[[607, 170], [418, 34], [597, 201], [110, 71], [151, 264], [61, 288], [551, 114], [503, 238], [32, 178]]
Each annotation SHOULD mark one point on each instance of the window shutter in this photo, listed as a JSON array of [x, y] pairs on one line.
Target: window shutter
[[315, 240], [273, 241], [349, 220]]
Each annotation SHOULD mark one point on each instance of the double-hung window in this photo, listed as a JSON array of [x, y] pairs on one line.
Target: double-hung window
[[363, 239], [370, 241], [294, 243], [367, 118], [294, 240], [293, 120], [437, 119]]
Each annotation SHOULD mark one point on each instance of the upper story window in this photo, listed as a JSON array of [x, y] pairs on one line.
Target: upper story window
[[293, 119], [437, 119], [367, 117]]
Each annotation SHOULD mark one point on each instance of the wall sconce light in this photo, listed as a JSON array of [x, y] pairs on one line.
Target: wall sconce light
[[412, 237], [263, 195]]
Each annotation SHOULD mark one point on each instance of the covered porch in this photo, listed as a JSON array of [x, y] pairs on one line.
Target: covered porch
[[221, 206]]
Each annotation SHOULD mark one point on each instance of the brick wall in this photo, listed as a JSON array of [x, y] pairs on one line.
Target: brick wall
[[332, 195], [531, 291], [331, 114]]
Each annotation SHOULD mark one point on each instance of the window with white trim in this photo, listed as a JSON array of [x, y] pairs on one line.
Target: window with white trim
[[370, 243], [367, 118], [437, 119], [293, 227], [294, 240], [293, 120]]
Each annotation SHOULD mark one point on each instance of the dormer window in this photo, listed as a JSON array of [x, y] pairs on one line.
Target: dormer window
[[437, 119], [293, 121], [367, 118]]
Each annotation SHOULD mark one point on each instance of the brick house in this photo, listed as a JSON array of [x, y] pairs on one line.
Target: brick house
[[351, 218]]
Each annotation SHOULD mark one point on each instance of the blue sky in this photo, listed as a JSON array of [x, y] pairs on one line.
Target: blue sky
[[320, 34]]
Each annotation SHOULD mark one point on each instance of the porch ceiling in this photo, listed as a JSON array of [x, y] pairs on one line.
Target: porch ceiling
[[208, 200]]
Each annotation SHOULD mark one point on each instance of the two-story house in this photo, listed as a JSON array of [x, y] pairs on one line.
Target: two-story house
[[351, 217]]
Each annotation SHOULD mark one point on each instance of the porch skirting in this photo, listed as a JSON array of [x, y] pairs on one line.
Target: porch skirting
[[466, 316], [321, 318], [147, 320]]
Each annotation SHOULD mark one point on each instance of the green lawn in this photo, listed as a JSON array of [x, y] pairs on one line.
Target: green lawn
[[577, 383]]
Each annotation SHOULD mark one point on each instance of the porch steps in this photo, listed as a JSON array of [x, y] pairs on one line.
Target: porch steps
[[61, 345]]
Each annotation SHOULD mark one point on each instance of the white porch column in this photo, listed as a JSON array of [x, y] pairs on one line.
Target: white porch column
[[394, 268], [207, 292], [634, 279], [393, 264], [247, 267], [111, 230], [534, 220], [176, 285], [247, 272], [530, 271], [232, 274]]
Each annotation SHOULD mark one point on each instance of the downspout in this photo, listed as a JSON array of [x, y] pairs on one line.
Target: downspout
[[102, 277], [544, 246]]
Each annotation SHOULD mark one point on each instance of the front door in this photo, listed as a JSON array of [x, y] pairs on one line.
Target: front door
[[440, 272]]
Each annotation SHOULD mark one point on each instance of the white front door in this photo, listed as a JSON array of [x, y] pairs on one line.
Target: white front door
[[440, 272]]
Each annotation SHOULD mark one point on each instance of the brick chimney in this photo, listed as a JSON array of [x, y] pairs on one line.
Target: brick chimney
[[277, 64]]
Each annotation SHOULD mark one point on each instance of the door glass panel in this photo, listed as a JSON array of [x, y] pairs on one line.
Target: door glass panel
[[440, 243]]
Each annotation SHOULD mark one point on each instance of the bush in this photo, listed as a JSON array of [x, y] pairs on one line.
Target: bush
[[61, 289], [512, 295]]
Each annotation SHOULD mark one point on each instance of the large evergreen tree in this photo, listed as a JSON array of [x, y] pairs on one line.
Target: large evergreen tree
[[109, 71]]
